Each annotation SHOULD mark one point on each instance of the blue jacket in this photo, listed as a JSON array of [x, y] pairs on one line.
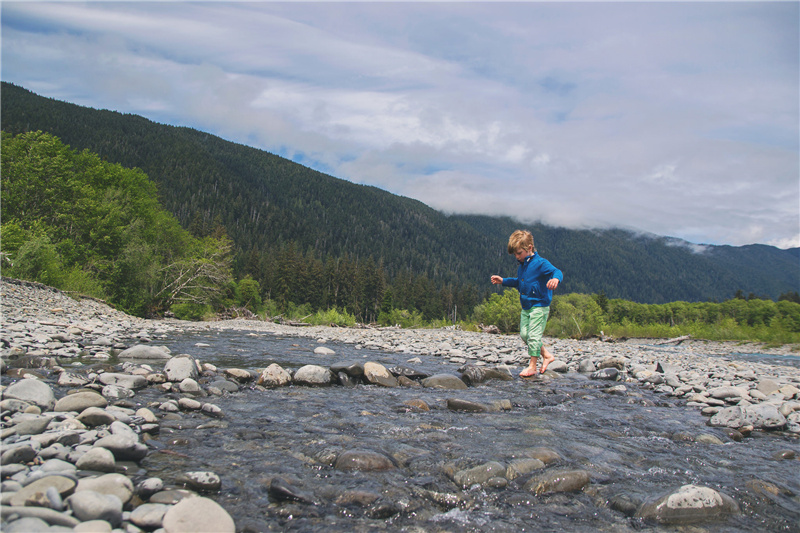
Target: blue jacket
[[532, 276]]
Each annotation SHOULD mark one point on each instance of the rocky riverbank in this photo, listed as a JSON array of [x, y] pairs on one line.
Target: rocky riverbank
[[73, 436]]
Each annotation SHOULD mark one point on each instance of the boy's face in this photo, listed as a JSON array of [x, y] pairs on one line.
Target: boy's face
[[522, 253]]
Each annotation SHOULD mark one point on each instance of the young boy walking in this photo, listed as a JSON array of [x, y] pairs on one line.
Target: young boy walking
[[536, 280]]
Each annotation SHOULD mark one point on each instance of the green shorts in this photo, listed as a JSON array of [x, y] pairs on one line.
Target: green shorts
[[531, 328]]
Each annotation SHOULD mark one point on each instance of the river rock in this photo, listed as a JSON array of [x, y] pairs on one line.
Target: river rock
[[609, 374], [687, 505], [80, 401], [33, 392], [313, 375], [456, 404], [323, 350], [149, 516], [363, 461], [98, 460], [181, 367], [143, 351], [117, 484], [198, 515], [127, 381], [444, 381], [726, 393], [472, 375], [201, 481], [20, 453], [559, 481], [90, 505], [377, 374], [49, 516], [240, 374], [124, 445], [479, 475], [31, 424], [282, 491], [274, 376], [63, 485], [352, 369], [94, 416], [70, 379]]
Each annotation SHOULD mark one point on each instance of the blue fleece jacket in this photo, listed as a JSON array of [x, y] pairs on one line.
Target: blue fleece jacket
[[532, 276]]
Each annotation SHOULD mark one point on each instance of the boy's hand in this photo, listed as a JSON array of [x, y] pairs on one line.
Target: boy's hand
[[497, 280], [552, 284]]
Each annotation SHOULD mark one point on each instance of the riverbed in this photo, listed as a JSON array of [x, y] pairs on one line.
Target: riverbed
[[635, 446]]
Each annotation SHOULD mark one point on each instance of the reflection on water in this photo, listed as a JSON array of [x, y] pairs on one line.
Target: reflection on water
[[635, 446]]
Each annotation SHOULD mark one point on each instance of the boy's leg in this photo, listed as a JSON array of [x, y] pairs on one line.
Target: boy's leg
[[536, 325], [525, 327]]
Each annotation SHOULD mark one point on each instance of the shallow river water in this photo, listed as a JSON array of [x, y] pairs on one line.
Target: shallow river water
[[635, 447]]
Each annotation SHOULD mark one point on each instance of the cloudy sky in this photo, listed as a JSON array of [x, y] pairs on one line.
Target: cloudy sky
[[676, 118]]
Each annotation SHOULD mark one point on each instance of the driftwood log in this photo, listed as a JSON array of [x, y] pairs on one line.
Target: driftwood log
[[676, 340]]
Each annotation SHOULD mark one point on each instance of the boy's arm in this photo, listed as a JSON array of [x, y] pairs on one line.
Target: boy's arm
[[506, 282], [556, 277]]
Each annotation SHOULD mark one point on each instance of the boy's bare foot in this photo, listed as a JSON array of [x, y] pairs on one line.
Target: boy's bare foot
[[528, 372], [546, 360]]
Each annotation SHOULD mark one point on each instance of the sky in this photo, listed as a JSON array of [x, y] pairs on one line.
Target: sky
[[680, 119]]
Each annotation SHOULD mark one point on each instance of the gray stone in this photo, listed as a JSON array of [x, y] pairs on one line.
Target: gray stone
[[688, 505], [444, 381], [559, 481], [117, 484], [198, 515], [363, 461], [79, 401], [94, 416], [274, 376], [90, 505], [141, 351], [181, 367], [377, 374], [479, 475], [128, 381], [313, 375], [149, 516], [98, 460], [31, 391]]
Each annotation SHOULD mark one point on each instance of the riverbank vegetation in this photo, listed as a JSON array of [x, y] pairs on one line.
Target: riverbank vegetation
[[582, 316], [76, 222]]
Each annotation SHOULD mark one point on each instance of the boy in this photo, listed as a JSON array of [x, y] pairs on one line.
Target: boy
[[536, 280]]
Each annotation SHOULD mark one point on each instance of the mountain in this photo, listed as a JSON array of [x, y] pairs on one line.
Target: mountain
[[267, 203]]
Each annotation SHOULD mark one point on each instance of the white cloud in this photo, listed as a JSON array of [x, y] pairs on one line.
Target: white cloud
[[679, 119]]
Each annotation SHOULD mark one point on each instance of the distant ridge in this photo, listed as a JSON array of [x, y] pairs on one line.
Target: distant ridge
[[266, 202]]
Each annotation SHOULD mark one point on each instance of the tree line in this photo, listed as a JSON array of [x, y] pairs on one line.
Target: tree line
[[76, 222], [268, 204]]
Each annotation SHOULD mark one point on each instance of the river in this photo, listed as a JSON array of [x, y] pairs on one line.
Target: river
[[635, 446]]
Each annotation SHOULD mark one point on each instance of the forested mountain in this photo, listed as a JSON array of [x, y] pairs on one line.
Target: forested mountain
[[278, 212]]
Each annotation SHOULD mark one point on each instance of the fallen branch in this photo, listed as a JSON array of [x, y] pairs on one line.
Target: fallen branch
[[676, 340]]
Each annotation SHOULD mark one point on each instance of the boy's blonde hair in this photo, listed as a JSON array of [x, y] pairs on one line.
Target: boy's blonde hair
[[520, 240]]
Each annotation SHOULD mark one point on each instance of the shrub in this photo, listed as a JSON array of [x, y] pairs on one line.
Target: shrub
[[191, 311], [500, 310], [333, 317], [401, 317]]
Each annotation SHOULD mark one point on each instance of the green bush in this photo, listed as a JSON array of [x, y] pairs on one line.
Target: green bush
[[500, 310], [401, 317], [38, 260], [191, 311], [333, 317], [248, 294], [574, 315]]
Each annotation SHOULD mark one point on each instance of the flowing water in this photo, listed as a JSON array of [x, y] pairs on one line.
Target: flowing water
[[635, 447]]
